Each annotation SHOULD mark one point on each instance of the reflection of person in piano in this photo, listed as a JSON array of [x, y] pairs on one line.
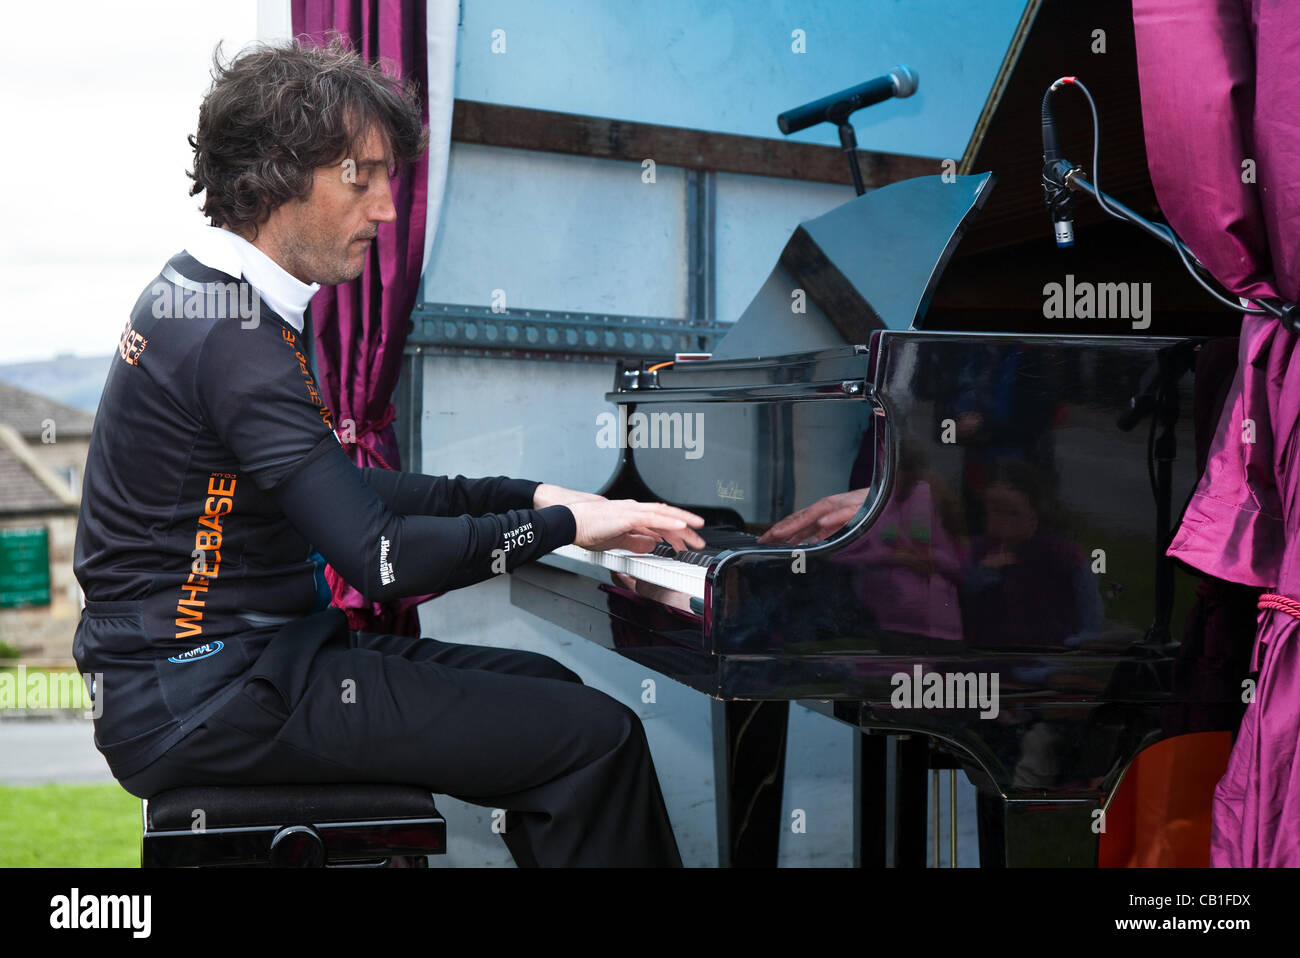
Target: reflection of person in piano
[[1005, 409], [1024, 586], [906, 568]]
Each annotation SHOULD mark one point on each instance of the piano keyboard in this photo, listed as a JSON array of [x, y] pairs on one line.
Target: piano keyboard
[[679, 571], [684, 577]]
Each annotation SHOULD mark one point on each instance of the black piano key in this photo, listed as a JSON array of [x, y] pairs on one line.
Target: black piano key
[[716, 539]]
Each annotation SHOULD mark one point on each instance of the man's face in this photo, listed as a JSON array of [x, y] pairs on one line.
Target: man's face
[[325, 237]]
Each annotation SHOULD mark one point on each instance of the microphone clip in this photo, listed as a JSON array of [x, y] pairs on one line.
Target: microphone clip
[[1060, 198]]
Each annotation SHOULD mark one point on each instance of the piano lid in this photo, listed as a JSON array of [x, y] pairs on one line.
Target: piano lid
[[870, 264]]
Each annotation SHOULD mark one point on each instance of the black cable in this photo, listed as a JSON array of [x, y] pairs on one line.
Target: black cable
[[1160, 230], [1151, 447]]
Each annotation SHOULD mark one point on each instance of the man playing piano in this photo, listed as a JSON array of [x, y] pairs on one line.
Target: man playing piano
[[216, 490]]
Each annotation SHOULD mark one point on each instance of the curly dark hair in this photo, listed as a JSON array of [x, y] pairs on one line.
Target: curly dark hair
[[276, 113]]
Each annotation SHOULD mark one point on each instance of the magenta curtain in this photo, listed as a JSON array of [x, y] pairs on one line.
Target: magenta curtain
[[360, 327], [1220, 84]]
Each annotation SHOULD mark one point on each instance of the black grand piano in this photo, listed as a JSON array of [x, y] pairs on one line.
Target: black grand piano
[[981, 490]]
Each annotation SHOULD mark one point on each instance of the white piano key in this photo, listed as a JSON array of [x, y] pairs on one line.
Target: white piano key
[[657, 570]]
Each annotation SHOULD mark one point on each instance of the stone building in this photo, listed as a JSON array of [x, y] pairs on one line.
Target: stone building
[[43, 446]]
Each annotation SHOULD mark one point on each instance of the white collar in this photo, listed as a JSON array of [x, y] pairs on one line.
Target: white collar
[[223, 250]]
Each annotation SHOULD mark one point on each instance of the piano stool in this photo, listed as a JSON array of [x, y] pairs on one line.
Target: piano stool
[[294, 826]]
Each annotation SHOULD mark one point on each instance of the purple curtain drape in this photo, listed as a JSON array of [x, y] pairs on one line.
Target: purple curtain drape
[[360, 327], [1220, 80]]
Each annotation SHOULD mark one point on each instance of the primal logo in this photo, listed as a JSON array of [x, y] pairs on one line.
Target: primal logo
[[202, 652], [386, 574]]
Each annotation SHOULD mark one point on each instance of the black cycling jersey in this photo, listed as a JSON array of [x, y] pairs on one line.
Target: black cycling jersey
[[215, 488]]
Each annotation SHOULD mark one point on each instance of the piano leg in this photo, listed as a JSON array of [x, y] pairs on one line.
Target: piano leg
[[1035, 834], [749, 780], [889, 790], [989, 814]]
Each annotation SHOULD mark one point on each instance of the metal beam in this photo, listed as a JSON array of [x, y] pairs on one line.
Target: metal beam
[[477, 330], [701, 246]]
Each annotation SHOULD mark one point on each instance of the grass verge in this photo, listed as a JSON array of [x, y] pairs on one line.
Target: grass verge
[[69, 826]]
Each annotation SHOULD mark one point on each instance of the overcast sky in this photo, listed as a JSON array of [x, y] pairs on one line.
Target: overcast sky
[[96, 100]]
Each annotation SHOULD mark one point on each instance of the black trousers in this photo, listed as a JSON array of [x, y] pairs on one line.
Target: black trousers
[[493, 727]]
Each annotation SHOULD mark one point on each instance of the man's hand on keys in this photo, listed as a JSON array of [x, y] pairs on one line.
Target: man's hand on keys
[[548, 494], [635, 526]]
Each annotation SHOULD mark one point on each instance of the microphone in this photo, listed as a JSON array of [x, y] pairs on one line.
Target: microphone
[[1059, 198], [899, 82]]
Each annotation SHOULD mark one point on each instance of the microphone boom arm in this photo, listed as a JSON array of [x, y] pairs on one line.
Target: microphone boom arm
[[1061, 178]]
